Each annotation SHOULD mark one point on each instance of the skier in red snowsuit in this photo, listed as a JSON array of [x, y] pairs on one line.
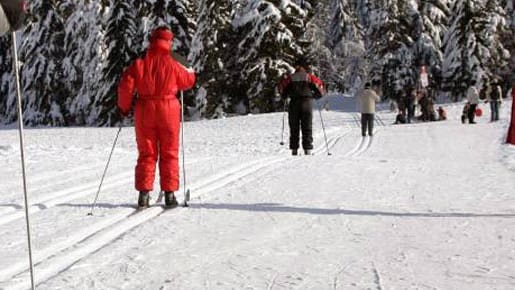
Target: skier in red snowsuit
[[511, 130], [157, 78]]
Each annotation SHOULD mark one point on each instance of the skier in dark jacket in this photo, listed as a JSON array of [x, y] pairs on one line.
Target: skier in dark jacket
[[301, 87], [12, 15]]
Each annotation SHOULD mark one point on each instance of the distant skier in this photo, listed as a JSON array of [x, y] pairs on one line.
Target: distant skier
[[442, 114], [411, 97], [157, 78], [367, 99], [465, 112], [301, 87], [494, 97], [473, 98], [12, 15]]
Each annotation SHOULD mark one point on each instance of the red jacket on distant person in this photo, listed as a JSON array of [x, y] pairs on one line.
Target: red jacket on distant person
[[511, 130], [157, 78]]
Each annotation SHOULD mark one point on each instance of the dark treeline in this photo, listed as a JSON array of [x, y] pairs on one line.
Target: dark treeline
[[72, 52]]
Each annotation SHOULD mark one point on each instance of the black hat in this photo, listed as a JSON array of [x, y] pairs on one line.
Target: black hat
[[302, 62]]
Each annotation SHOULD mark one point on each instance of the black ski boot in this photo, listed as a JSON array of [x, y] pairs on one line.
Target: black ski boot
[[308, 152], [170, 200], [144, 199], [294, 152]]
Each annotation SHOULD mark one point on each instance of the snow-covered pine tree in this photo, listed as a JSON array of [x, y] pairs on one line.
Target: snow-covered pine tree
[[182, 20], [507, 37], [346, 66], [272, 36], [496, 62], [124, 44], [390, 45], [467, 53], [183, 23], [210, 50], [82, 63], [6, 68], [344, 24], [431, 26], [42, 53]]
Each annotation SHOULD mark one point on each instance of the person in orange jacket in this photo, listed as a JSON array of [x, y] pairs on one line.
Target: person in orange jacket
[[156, 78]]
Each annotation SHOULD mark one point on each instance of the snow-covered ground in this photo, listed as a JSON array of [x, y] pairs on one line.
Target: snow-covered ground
[[420, 206]]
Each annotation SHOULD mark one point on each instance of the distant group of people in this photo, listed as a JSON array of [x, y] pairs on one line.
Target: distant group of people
[[418, 99], [407, 105], [492, 93]]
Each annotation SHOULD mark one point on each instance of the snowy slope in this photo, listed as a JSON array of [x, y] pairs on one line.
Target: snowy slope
[[429, 205]]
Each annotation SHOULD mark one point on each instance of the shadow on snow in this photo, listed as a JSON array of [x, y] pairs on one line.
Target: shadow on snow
[[275, 207]]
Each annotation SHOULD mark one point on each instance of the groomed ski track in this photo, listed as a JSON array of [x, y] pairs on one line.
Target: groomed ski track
[[420, 206], [59, 256]]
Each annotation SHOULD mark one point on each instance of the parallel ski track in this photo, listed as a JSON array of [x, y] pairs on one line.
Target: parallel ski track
[[37, 183], [65, 195], [60, 256], [365, 143]]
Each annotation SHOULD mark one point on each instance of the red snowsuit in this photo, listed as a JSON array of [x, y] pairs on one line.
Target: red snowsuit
[[157, 78], [511, 130]]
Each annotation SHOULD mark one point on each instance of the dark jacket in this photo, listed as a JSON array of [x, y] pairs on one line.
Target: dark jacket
[[303, 85]]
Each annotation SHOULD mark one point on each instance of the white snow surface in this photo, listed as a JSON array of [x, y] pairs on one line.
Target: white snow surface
[[420, 206]]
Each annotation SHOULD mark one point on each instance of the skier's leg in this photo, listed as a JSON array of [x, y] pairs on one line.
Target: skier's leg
[[492, 111], [169, 130], [294, 122], [472, 112], [497, 110], [371, 118], [364, 124], [307, 125], [146, 139]]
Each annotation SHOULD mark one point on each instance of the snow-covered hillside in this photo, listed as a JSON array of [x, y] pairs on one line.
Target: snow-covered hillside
[[420, 206]]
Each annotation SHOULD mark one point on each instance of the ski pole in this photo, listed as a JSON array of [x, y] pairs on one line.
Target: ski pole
[[323, 128], [105, 170], [186, 191], [22, 151], [284, 116]]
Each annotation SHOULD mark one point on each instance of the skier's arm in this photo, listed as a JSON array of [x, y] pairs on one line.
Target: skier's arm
[[126, 90], [185, 77], [318, 83], [376, 96]]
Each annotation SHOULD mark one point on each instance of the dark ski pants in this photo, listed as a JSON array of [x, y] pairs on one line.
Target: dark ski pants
[[367, 122], [494, 111], [411, 113], [300, 118], [472, 113]]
